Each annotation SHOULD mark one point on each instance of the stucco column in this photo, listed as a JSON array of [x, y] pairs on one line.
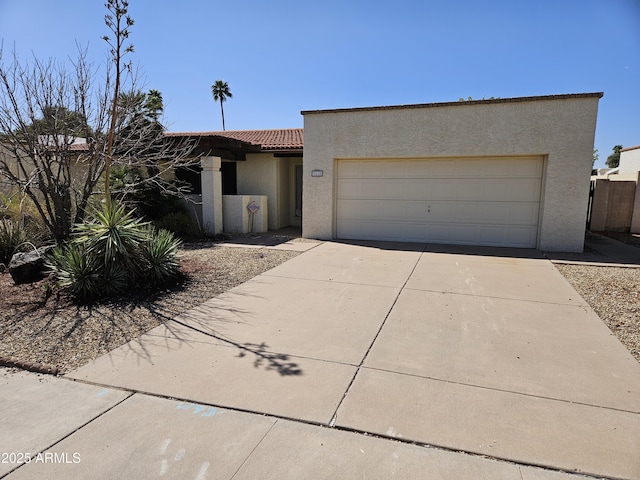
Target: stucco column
[[211, 181]]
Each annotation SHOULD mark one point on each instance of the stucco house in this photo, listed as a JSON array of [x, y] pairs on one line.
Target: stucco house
[[74, 148], [630, 160], [248, 164], [510, 172]]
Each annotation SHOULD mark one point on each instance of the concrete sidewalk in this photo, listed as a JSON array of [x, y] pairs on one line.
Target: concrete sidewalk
[[352, 360], [601, 250]]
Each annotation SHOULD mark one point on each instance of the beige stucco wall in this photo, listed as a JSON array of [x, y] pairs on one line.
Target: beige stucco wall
[[258, 175], [238, 219], [266, 174], [561, 129], [630, 161]]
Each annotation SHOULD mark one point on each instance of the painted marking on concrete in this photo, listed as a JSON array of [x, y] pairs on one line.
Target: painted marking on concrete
[[201, 410], [164, 466], [180, 455], [102, 392], [165, 445], [203, 471]]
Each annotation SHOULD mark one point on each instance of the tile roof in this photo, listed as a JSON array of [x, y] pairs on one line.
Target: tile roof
[[79, 147], [630, 148], [279, 139]]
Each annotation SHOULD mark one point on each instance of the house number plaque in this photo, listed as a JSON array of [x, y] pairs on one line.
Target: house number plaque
[[253, 207]]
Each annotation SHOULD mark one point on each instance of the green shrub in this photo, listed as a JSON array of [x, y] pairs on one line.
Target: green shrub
[[20, 229], [179, 223], [13, 238], [150, 200], [115, 253]]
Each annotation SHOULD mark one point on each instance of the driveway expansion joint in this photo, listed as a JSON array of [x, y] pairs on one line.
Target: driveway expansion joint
[[582, 304], [495, 389], [364, 357], [330, 281], [330, 426], [433, 446]]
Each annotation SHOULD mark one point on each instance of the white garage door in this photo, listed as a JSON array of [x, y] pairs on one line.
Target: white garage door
[[472, 201]]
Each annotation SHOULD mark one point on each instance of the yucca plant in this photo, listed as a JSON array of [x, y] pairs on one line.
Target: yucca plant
[[114, 253], [76, 272], [160, 254], [113, 233]]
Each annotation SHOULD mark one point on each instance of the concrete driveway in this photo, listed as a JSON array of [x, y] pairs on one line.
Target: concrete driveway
[[354, 360]]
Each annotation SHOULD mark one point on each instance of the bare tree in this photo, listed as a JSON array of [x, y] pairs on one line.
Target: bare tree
[[60, 129]]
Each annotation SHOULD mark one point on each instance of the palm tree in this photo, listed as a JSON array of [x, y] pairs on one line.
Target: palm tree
[[220, 91], [153, 104]]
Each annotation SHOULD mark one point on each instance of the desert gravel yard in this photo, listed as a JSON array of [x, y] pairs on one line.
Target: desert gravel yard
[[48, 329], [614, 294], [38, 325]]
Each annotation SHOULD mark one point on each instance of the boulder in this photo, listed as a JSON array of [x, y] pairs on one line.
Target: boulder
[[27, 267]]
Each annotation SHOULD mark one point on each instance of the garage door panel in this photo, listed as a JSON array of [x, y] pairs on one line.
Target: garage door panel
[[525, 167], [466, 212], [499, 214], [440, 233], [371, 189], [522, 236], [415, 209], [351, 209], [389, 231], [483, 201], [507, 168], [492, 235], [371, 169], [510, 213], [523, 190]]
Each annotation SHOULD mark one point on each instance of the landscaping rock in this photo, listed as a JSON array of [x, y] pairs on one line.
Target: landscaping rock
[[28, 267]]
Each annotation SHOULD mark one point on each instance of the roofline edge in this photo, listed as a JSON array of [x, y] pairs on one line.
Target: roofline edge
[[565, 96]]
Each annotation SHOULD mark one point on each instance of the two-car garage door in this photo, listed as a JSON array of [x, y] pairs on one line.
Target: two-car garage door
[[473, 201]]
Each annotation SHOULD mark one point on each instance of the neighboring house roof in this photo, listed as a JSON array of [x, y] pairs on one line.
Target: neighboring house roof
[[73, 144], [79, 147], [630, 148], [267, 140]]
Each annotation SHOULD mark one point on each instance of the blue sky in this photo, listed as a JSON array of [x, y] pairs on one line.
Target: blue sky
[[283, 56]]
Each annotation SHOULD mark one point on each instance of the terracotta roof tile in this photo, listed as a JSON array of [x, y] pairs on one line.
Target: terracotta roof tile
[[79, 147], [630, 148], [279, 139]]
